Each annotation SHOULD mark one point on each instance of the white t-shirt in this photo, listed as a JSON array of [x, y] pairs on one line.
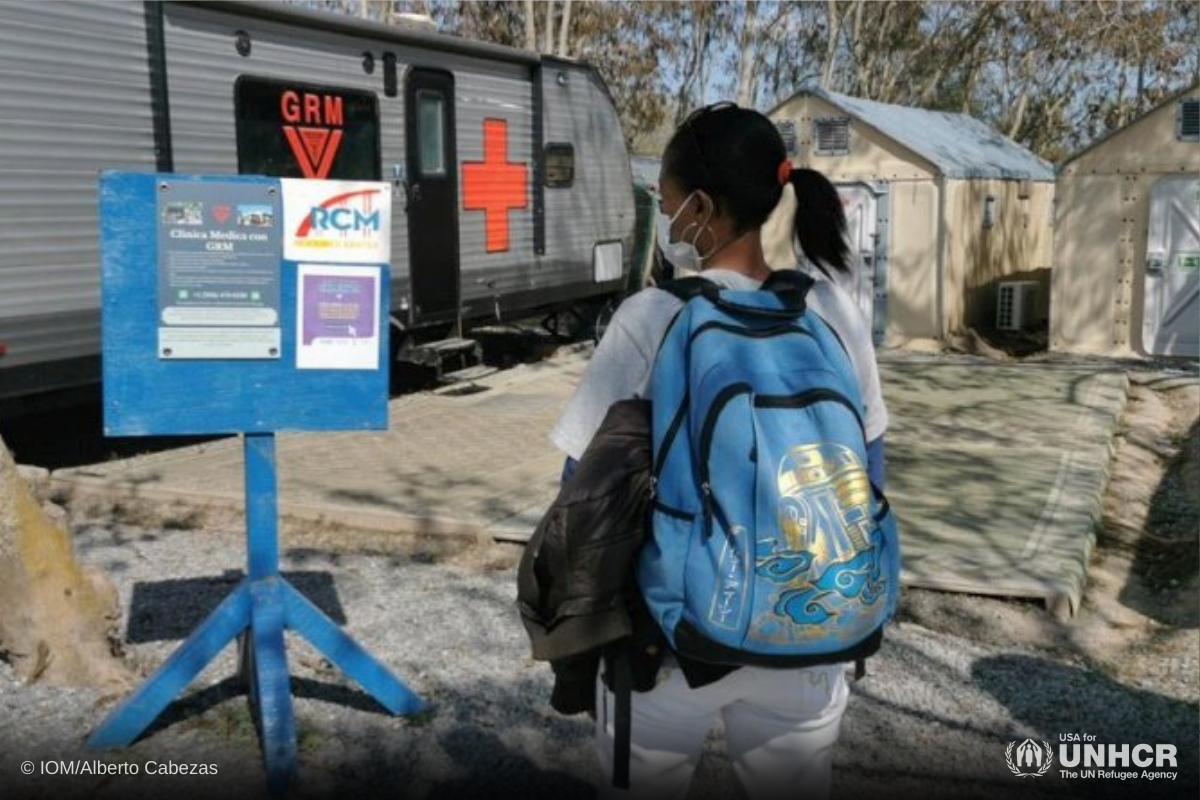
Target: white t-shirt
[[621, 366]]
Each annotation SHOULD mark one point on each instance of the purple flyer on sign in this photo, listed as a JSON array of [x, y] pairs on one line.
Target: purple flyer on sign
[[337, 307], [338, 316]]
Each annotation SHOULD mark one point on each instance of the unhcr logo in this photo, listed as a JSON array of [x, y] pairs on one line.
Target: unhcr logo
[[1087, 758], [1029, 759]]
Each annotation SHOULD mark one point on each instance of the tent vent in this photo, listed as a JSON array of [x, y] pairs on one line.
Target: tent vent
[[1188, 119], [1014, 305], [833, 136], [787, 130]]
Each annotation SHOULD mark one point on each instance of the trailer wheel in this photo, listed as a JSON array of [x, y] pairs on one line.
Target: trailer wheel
[[566, 324]]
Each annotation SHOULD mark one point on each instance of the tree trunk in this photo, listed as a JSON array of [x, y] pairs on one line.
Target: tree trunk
[[694, 68], [703, 64], [530, 27], [969, 88], [834, 27], [1022, 105], [55, 617], [746, 65], [858, 50], [768, 40], [967, 46], [881, 58], [1140, 97], [563, 28]]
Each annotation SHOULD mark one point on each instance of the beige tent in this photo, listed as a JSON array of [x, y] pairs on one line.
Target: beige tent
[[1127, 239], [940, 208]]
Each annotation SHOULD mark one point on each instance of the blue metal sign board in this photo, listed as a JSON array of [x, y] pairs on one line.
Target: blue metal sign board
[[201, 321], [207, 328]]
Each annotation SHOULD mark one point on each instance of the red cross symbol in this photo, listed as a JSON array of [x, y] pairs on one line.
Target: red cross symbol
[[495, 185]]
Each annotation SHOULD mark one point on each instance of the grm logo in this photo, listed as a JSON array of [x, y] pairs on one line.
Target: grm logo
[[313, 129]]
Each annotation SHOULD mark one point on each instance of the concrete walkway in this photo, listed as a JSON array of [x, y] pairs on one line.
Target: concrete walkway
[[996, 471]]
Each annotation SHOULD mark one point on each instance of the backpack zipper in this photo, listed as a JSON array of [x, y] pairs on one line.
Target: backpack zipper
[[708, 503], [711, 506], [672, 431], [807, 398]]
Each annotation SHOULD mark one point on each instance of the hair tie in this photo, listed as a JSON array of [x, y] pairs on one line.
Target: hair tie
[[784, 173]]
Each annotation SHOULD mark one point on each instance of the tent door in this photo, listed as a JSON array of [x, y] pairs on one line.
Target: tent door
[[866, 231], [432, 194], [1171, 319]]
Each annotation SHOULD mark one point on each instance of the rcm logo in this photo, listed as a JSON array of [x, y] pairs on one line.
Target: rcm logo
[[350, 212]]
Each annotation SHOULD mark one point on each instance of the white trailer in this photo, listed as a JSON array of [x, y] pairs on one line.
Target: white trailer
[[511, 182]]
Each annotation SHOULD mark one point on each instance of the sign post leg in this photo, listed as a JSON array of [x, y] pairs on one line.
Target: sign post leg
[[257, 613], [270, 695], [308, 621], [128, 720]]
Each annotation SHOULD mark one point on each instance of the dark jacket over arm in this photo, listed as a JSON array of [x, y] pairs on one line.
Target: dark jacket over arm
[[575, 584]]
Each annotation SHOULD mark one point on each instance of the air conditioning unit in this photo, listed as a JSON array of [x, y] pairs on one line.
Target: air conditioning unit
[[1015, 305]]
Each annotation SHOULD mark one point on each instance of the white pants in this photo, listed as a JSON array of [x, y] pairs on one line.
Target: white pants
[[780, 729]]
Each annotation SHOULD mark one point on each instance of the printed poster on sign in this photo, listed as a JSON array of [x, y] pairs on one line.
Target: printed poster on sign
[[338, 317], [337, 221], [218, 271]]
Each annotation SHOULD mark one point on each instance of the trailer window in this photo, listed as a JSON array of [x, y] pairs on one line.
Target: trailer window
[[431, 133], [287, 129], [560, 165]]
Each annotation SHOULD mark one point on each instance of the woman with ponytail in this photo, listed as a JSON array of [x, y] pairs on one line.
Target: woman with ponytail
[[724, 171]]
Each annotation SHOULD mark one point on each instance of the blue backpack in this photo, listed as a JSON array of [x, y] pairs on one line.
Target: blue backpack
[[770, 545]]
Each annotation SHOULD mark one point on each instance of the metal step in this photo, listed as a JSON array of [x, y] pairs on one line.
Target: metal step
[[433, 354], [451, 345], [469, 374]]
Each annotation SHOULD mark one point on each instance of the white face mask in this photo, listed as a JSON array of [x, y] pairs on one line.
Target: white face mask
[[682, 254]]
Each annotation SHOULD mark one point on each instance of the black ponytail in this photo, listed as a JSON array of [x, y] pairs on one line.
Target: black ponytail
[[820, 222]]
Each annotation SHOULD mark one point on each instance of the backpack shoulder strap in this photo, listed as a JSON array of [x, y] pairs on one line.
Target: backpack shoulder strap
[[790, 284], [687, 288]]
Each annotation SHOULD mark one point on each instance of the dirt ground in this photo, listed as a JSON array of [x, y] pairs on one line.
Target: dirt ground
[[1141, 608]]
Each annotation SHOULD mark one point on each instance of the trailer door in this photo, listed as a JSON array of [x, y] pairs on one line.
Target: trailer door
[[1171, 322], [432, 194]]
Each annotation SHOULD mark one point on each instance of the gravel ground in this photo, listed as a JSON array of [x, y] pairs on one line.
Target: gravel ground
[[933, 717], [957, 682]]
